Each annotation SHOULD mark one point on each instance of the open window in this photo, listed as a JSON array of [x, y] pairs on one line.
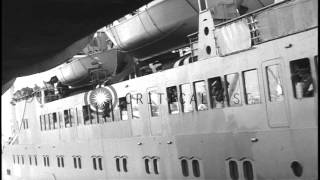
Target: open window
[[135, 100], [55, 120], [216, 92], [172, 95], [186, 98], [123, 107], [200, 92], [232, 82], [275, 89], [301, 77], [67, 118], [251, 87], [154, 102]]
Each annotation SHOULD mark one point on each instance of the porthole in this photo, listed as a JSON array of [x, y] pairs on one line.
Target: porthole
[[233, 170], [208, 49], [124, 163], [247, 170], [206, 31], [196, 168], [146, 163], [118, 164], [184, 166], [297, 168], [155, 166]]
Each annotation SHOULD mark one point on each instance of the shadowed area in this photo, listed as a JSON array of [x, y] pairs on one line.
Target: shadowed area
[[38, 35]]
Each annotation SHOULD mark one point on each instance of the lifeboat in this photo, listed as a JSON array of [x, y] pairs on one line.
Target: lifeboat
[[114, 64], [163, 25]]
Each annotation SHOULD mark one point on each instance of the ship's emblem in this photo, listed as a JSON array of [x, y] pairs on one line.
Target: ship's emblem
[[100, 97]]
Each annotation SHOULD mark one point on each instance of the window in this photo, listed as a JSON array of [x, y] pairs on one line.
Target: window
[[135, 105], [196, 168], [172, 95], [248, 170], [146, 164], [155, 165], [203, 5], [76, 162], [41, 123], [184, 167], [123, 108], [251, 89], [107, 113], [46, 160], [86, 114], [72, 117], [186, 98], [30, 160], [124, 164], [151, 161], [67, 118], [18, 159], [274, 83], [301, 78], [154, 103], [233, 89], [55, 121], [35, 160], [61, 124], [51, 120], [233, 170], [100, 162], [22, 159], [25, 123], [79, 112], [48, 163], [79, 162], [47, 122], [60, 161], [97, 161], [118, 164], [200, 91], [216, 91], [94, 163]]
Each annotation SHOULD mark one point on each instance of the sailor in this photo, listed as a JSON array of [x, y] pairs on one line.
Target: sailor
[[106, 110]]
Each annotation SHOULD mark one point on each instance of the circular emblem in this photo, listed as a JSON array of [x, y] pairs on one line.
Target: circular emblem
[[100, 97]]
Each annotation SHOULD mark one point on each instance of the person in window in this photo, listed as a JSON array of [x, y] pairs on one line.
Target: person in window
[[106, 110], [302, 81], [173, 100], [217, 93]]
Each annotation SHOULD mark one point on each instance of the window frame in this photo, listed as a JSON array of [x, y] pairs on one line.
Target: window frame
[[202, 97], [212, 101], [226, 87], [245, 87], [293, 83], [169, 102], [192, 104], [268, 83]]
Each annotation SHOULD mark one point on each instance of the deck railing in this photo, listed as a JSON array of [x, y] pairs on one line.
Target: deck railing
[[268, 23]]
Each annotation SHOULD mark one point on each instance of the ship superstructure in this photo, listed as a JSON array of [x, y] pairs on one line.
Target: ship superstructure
[[241, 104]]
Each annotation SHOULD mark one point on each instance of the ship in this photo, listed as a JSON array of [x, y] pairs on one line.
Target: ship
[[238, 102]]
